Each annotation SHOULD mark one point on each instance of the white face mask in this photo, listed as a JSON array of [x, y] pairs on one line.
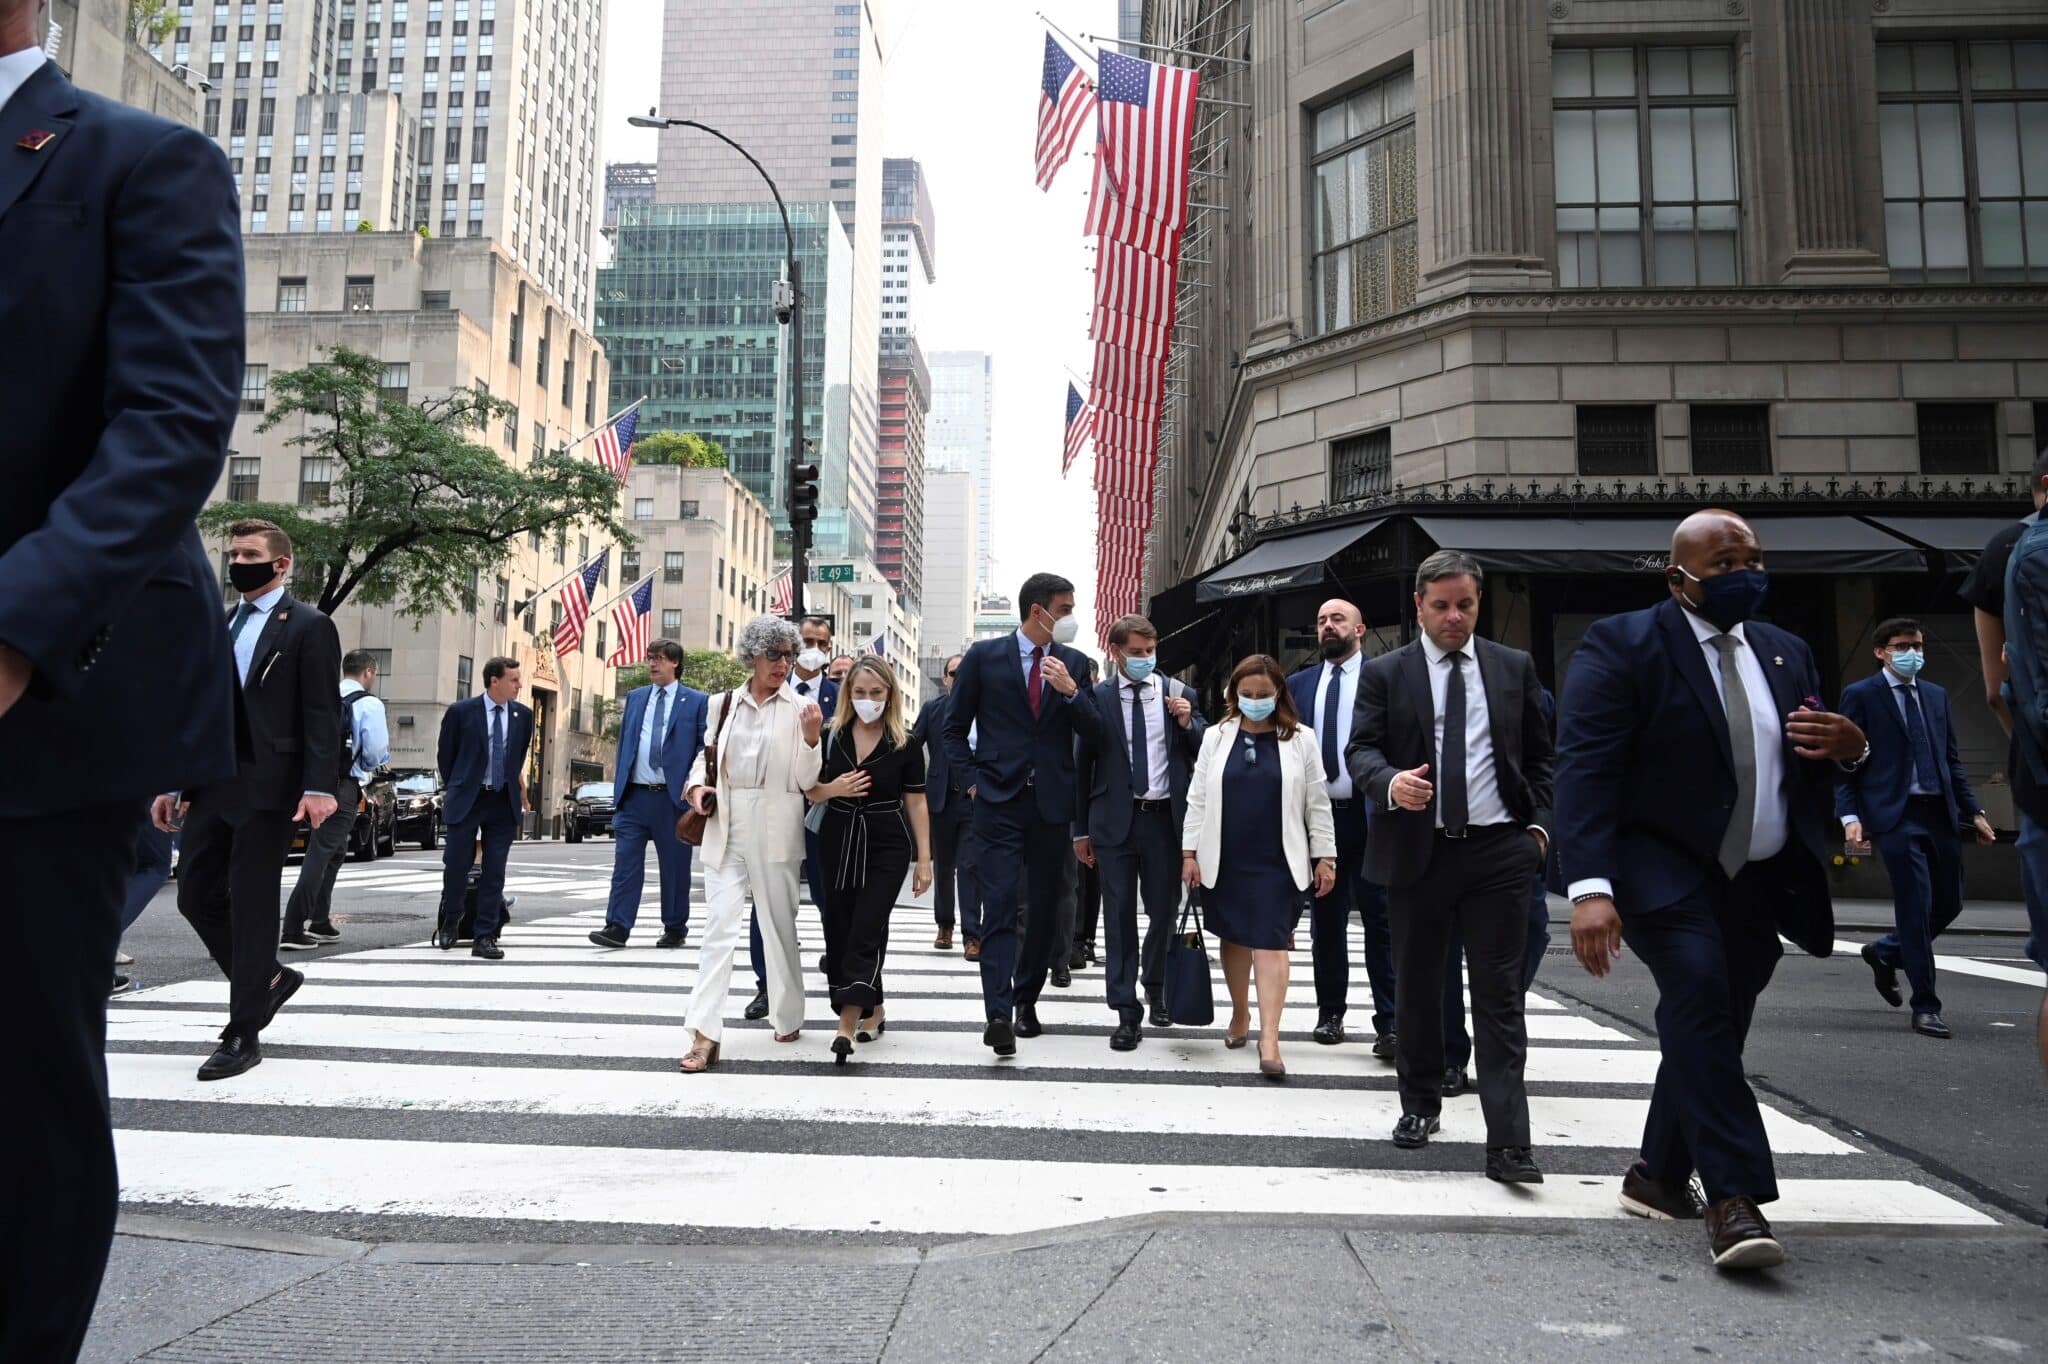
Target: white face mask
[[868, 711], [1065, 630], [812, 659]]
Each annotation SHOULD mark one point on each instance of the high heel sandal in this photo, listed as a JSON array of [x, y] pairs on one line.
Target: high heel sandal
[[864, 1033], [1275, 1069], [700, 1058], [1237, 1040], [842, 1047]]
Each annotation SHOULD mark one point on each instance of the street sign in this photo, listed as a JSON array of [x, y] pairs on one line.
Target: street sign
[[835, 573]]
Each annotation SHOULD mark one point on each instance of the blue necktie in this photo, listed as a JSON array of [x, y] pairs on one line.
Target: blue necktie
[[1916, 734], [1331, 697], [497, 746], [660, 734]]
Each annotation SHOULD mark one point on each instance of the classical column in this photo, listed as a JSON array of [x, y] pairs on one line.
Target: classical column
[[1274, 218], [1478, 147], [1831, 241]]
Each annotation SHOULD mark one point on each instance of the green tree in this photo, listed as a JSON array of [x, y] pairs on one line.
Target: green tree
[[152, 21], [417, 509], [686, 448], [708, 670]]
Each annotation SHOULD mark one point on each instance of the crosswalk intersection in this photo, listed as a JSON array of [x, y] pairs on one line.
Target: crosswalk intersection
[[548, 1085]]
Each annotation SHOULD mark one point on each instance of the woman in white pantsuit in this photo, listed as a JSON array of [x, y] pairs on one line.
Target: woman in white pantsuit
[[768, 755]]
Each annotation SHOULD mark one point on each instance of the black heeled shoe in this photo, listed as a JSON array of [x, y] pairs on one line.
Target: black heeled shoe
[[842, 1047], [863, 1033]]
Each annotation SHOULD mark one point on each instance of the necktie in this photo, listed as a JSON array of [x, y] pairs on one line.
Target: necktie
[[1333, 695], [1035, 682], [1916, 734], [1452, 805], [1742, 743], [659, 735], [497, 746], [803, 688], [1141, 747], [242, 614]]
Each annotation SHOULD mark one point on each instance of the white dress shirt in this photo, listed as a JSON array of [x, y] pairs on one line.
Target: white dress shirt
[[647, 769], [1346, 676], [15, 69], [1483, 804], [252, 629], [743, 752], [1150, 698], [808, 688], [1025, 644]]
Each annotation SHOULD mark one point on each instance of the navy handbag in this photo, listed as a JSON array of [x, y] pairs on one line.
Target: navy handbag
[[1190, 998]]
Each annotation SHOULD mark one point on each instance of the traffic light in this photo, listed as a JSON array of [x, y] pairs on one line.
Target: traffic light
[[803, 493]]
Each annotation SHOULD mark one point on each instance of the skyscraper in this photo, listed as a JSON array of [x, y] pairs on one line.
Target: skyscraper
[[909, 244], [961, 435]]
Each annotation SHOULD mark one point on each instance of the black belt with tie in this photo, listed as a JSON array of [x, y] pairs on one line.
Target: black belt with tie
[[853, 849]]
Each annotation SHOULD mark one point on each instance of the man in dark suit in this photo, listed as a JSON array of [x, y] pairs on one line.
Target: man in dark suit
[[946, 799], [659, 736], [1452, 748], [1912, 799], [483, 751], [1019, 695], [1131, 788], [122, 318], [1694, 800], [239, 831], [1326, 697]]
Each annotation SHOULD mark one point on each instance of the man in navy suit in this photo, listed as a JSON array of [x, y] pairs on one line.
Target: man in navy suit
[[1694, 803], [1912, 798], [658, 740], [122, 319], [1131, 785], [1326, 696], [1019, 695], [483, 750], [946, 799]]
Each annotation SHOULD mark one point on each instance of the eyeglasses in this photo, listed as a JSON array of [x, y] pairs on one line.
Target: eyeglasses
[[1251, 751], [776, 655]]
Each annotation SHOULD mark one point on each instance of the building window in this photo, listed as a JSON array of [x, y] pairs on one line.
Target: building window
[[1731, 438], [561, 546], [316, 478], [554, 616], [465, 670], [1935, 185], [643, 509], [1617, 441], [512, 336], [396, 384], [1362, 466], [244, 474], [255, 387], [576, 710], [472, 595], [690, 512], [501, 605], [629, 565], [672, 566], [1365, 204], [1605, 99], [433, 300], [359, 294], [291, 295], [1958, 438], [597, 649], [671, 624]]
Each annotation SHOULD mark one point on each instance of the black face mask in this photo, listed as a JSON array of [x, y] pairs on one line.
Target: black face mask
[[248, 577], [1334, 649]]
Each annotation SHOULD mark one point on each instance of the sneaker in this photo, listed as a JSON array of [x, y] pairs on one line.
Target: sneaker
[[124, 985], [325, 932], [298, 942], [123, 959]]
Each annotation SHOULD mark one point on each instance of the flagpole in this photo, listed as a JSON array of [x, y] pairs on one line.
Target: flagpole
[[1079, 49], [540, 592], [571, 445], [614, 601]]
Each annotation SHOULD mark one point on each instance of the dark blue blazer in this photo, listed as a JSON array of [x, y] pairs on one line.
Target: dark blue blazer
[[466, 754], [1646, 777], [1102, 764], [122, 318], [930, 730], [1012, 748], [1876, 792], [679, 747]]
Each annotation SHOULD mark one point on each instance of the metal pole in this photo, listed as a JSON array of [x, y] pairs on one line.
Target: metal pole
[[799, 531]]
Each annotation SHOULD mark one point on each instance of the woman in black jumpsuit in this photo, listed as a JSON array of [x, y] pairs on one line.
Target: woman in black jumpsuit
[[872, 788]]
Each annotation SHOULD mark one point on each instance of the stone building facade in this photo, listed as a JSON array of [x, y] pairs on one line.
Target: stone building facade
[[710, 545]]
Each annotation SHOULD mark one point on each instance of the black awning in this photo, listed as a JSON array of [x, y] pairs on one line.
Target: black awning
[[1284, 562], [1633, 544], [1960, 540]]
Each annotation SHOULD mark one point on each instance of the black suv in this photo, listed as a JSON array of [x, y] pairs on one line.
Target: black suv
[[419, 794], [375, 832], [588, 810]]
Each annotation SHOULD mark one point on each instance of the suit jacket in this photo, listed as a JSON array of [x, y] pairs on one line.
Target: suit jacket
[[826, 694], [1013, 749], [1395, 730], [678, 749], [291, 705], [1876, 792], [1102, 787], [122, 318], [793, 766], [1306, 831], [1646, 776], [930, 730], [466, 754]]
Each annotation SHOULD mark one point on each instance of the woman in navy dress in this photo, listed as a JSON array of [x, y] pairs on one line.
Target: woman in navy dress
[[1258, 812]]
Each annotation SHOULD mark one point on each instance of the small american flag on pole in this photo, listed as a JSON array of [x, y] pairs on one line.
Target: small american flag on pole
[[614, 443], [629, 617], [781, 595], [576, 594], [1062, 111], [1144, 129], [1080, 420]]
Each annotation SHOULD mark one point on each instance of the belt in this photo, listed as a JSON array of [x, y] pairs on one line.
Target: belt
[[649, 786], [493, 789], [852, 875], [1344, 804], [1143, 803], [1471, 830]]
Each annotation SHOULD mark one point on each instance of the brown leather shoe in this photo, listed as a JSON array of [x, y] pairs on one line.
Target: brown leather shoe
[[1740, 1237], [973, 949], [944, 940]]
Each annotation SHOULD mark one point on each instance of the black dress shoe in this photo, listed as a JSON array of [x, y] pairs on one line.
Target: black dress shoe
[[757, 1007], [611, 935], [999, 1037], [1027, 1021], [673, 938], [1156, 1008], [1512, 1165], [1329, 1031], [1413, 1130], [235, 1054], [1385, 1045], [1645, 1197], [1740, 1238], [486, 946], [1061, 977], [1456, 1081], [283, 988], [1884, 975], [1077, 960], [444, 935], [1929, 1024], [1126, 1037]]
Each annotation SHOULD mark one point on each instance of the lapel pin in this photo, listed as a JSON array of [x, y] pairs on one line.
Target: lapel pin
[[1779, 661], [35, 139]]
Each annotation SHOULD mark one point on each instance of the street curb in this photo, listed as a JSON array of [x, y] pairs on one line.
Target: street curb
[[150, 1227]]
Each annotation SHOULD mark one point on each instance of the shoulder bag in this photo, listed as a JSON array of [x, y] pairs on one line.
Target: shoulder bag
[[690, 824]]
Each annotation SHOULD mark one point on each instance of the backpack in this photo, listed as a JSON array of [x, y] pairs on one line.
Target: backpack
[[348, 733], [2026, 644]]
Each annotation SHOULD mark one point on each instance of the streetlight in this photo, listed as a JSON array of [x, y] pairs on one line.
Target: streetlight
[[788, 303]]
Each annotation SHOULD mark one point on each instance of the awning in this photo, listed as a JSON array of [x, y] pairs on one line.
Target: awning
[[1959, 539], [1631, 544], [1284, 562]]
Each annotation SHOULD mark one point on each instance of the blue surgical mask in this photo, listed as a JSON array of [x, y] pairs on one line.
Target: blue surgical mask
[[1138, 669], [1257, 707], [1728, 599], [1908, 662]]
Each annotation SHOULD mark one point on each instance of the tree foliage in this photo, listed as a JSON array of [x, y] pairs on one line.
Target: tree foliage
[[416, 508], [152, 21], [708, 670], [686, 448]]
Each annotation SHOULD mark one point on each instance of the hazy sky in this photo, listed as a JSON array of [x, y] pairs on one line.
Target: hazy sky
[[961, 95]]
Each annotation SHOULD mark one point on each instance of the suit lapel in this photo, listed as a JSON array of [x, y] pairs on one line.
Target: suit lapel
[[1113, 702], [1493, 681], [272, 637], [1685, 650], [1416, 668], [43, 105]]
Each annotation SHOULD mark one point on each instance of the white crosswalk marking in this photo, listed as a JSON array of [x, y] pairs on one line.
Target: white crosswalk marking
[[932, 1136]]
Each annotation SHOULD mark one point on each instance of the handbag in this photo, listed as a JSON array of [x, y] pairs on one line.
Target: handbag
[[690, 824], [1190, 995]]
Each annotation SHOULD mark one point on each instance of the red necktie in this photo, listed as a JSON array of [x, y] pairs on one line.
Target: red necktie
[[1035, 682]]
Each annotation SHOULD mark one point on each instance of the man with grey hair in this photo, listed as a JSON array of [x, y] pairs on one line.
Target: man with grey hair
[[1452, 746]]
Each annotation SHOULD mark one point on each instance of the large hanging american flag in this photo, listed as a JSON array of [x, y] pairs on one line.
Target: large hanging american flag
[[576, 596], [1134, 297], [781, 594], [1063, 105], [614, 442], [1080, 422], [629, 617], [1145, 124]]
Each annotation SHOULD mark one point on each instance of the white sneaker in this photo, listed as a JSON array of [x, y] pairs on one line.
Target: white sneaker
[[123, 959]]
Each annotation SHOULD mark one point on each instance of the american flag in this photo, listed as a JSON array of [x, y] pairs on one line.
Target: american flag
[[876, 648], [614, 443], [1145, 124], [781, 594], [576, 595], [1062, 111], [1080, 422], [1134, 298], [629, 617]]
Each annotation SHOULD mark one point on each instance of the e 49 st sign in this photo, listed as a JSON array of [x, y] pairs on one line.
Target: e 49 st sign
[[835, 573]]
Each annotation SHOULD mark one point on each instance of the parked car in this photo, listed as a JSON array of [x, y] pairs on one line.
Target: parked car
[[375, 832], [587, 810], [420, 793]]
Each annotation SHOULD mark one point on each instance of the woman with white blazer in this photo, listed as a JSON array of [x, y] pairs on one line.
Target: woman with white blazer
[[765, 741], [1258, 812]]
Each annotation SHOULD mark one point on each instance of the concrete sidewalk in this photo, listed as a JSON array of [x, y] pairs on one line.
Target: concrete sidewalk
[[1179, 1289]]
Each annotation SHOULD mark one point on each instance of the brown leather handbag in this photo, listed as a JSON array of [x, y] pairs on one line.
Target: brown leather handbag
[[690, 824]]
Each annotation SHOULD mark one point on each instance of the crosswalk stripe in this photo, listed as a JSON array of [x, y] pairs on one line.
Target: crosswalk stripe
[[1966, 966], [802, 1192]]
